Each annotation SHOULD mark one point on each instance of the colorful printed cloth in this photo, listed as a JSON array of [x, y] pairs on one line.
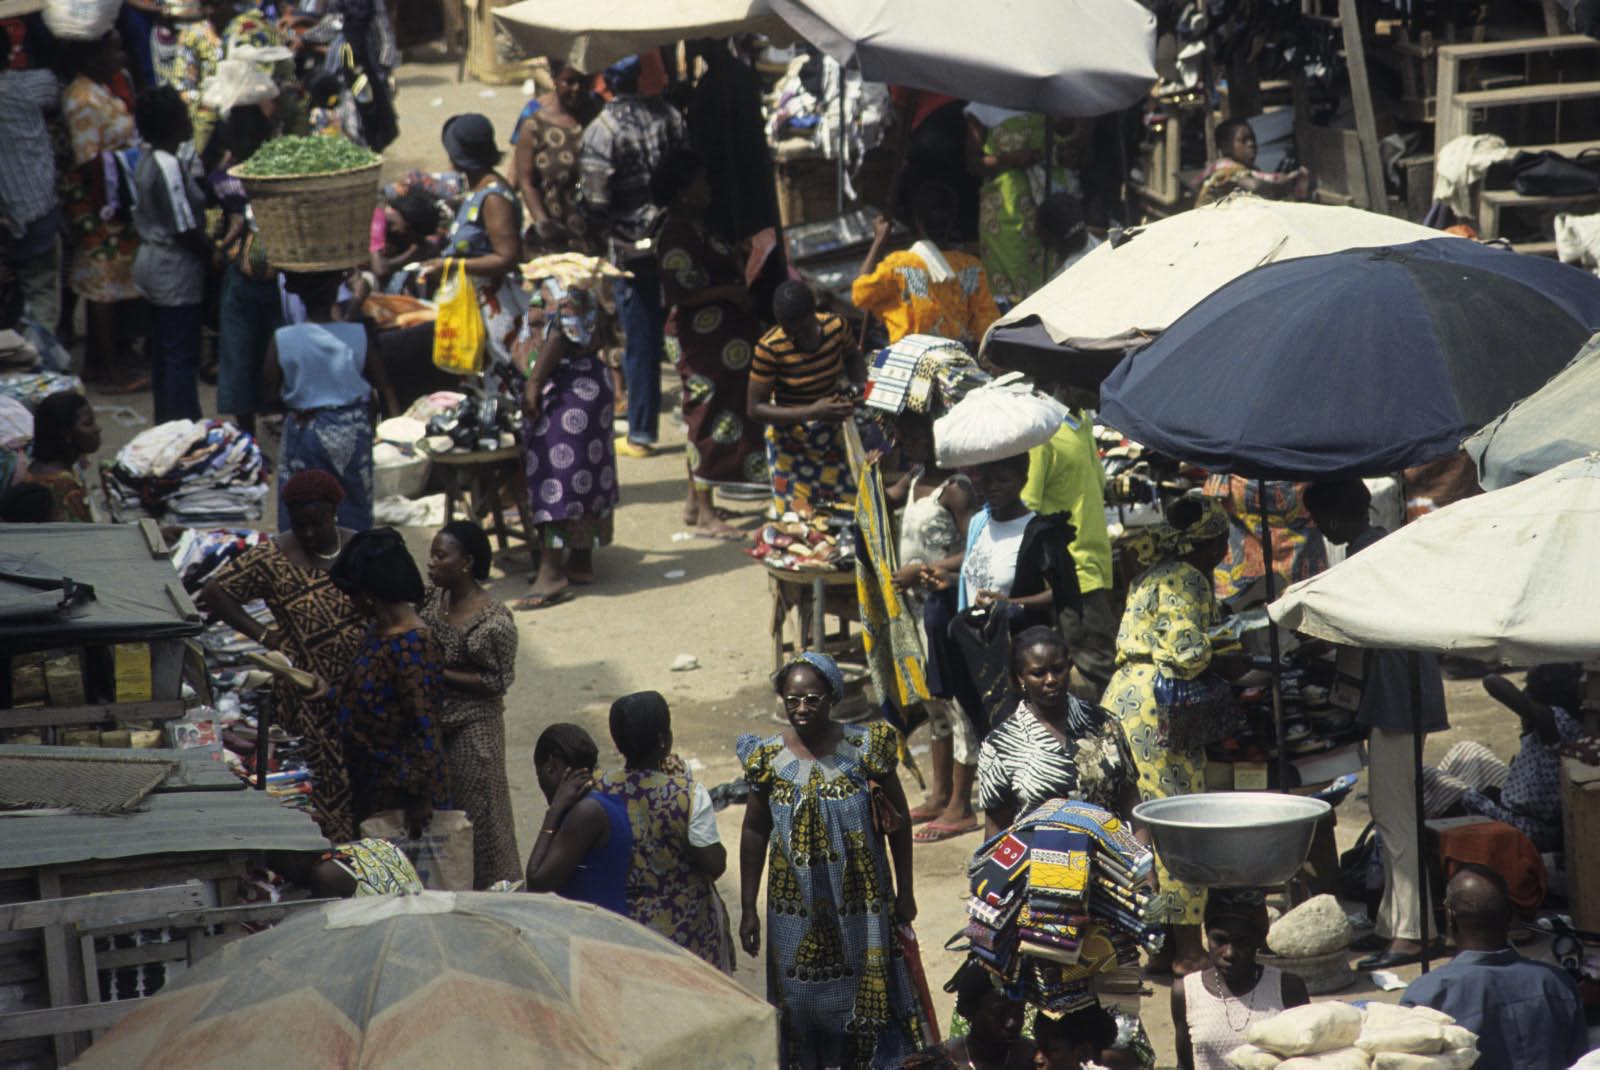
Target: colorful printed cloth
[[474, 730], [569, 454], [338, 441], [1022, 764], [889, 637], [388, 710], [664, 892], [67, 493], [99, 121], [321, 634], [808, 467], [835, 968], [377, 866], [1008, 211], [1298, 552], [716, 340], [555, 169], [901, 292], [501, 299]]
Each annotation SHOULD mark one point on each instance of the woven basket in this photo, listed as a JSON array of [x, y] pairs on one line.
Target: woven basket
[[314, 222]]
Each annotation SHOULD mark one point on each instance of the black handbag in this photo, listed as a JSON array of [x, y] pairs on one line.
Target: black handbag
[[1550, 174], [983, 638]]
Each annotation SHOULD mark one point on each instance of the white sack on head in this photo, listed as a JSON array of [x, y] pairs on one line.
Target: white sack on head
[[1000, 419], [1308, 1030], [237, 82]]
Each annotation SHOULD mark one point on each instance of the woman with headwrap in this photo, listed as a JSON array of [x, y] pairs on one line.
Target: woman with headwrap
[[487, 232], [1213, 1009], [835, 969], [567, 447], [1165, 635], [388, 699], [313, 622]]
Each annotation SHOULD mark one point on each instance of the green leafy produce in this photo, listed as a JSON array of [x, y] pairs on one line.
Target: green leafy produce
[[305, 156]]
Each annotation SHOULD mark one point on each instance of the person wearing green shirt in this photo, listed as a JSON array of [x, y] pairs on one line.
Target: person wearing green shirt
[[1065, 476]]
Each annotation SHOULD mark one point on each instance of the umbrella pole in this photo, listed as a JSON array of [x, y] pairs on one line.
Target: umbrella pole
[[838, 186], [1426, 900], [1272, 641]]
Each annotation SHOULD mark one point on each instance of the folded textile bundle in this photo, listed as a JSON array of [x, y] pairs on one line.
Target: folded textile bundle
[[30, 388], [188, 472], [1057, 900], [199, 554]]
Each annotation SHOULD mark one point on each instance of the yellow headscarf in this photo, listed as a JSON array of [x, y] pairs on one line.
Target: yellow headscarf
[[1162, 542]]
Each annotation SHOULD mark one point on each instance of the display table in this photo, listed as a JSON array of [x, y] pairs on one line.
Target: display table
[[812, 594], [479, 479]]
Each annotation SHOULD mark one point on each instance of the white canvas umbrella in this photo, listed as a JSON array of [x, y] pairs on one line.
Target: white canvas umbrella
[[593, 34], [1550, 427], [1071, 58], [1505, 576], [1122, 295]]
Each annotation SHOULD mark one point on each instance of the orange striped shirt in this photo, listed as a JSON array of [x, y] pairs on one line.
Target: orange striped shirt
[[798, 377]]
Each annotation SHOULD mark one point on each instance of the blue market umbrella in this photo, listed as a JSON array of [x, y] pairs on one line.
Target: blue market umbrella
[[1357, 363]]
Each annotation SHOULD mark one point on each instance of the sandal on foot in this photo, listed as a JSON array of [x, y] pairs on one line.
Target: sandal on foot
[[934, 831], [542, 601]]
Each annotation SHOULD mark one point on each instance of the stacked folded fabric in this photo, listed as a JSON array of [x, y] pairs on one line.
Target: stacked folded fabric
[[200, 554], [1058, 900], [188, 472]]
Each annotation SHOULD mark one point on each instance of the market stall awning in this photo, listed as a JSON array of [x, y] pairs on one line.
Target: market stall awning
[[1501, 576], [596, 33], [1357, 363], [1121, 295], [1559, 423], [1062, 57]]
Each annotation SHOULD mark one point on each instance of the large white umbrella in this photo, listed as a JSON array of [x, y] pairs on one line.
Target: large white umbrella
[[593, 34], [1062, 57], [1552, 426], [1504, 576], [1122, 295]]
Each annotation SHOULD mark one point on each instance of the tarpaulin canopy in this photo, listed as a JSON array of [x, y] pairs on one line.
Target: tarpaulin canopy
[[1123, 294], [1502, 576], [1073, 58], [1357, 363], [1558, 423], [596, 33]]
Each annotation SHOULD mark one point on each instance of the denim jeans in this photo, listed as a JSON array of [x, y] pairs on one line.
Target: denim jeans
[[174, 346], [643, 320]]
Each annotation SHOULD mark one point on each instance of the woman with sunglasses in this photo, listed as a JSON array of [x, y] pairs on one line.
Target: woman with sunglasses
[[834, 964]]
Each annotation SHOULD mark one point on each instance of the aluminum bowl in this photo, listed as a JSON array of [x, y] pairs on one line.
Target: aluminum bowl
[[1232, 839]]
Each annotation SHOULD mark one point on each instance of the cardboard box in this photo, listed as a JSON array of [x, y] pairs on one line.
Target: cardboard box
[[63, 678], [133, 677]]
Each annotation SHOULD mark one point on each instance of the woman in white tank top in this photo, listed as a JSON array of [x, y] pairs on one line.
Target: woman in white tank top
[[1212, 1009]]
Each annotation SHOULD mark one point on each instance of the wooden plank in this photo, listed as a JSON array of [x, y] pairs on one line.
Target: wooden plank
[[152, 537], [108, 909], [58, 981], [1355, 51], [1510, 198], [117, 875], [1580, 820], [1521, 46], [47, 716], [65, 1022], [252, 913], [1540, 93]]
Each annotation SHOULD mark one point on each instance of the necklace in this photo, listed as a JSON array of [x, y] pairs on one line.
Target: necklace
[[338, 546], [1226, 997]]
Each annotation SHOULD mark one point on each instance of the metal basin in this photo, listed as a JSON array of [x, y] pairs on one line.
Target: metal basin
[[1232, 839]]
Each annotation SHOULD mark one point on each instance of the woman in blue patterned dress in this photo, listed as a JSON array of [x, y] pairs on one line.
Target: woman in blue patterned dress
[[835, 970]]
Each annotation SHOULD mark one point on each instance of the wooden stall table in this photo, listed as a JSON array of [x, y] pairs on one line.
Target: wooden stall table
[[812, 594], [479, 479]]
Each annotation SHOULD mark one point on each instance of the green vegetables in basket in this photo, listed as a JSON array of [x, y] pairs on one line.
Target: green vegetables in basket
[[305, 156]]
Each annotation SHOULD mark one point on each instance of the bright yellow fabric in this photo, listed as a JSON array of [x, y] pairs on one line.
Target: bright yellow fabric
[[1065, 476], [899, 292]]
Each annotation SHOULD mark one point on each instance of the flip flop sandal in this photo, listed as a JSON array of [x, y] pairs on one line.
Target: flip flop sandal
[[542, 601], [934, 831]]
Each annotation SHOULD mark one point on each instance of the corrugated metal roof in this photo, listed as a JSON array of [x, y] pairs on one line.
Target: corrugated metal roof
[[193, 812]]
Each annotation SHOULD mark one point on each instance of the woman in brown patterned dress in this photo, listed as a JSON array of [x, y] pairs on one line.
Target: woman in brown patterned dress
[[313, 622], [546, 166], [714, 321], [477, 641]]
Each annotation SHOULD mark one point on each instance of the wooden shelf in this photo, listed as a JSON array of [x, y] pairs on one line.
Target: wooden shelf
[[121, 712]]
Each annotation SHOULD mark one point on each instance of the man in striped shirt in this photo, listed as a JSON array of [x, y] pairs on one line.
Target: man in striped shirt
[[800, 380]]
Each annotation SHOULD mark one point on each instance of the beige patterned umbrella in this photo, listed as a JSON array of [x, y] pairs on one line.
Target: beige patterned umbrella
[[442, 979]]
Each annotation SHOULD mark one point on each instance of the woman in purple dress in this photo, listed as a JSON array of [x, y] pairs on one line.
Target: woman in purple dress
[[567, 446]]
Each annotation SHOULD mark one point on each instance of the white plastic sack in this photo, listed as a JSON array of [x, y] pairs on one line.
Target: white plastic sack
[[1338, 1059], [1457, 1037], [1308, 1030], [1316, 927], [442, 855], [1250, 1057], [997, 420], [236, 83], [1460, 1059], [81, 20], [1388, 1028]]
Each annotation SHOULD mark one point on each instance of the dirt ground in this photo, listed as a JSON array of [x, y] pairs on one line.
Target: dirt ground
[[622, 634]]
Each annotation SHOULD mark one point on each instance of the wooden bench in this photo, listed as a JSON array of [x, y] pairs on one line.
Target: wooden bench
[[1492, 202], [1453, 106]]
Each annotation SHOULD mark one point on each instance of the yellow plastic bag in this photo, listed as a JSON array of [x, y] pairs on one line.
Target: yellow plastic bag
[[458, 333]]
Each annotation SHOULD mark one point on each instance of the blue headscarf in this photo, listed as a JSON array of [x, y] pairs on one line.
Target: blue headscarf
[[824, 665]]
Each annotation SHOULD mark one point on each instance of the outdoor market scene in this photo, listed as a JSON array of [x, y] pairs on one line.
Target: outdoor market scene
[[922, 535]]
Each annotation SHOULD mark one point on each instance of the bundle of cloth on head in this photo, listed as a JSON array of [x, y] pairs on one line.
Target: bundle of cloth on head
[[239, 82], [1164, 541], [923, 373], [575, 271], [1002, 418], [1058, 900]]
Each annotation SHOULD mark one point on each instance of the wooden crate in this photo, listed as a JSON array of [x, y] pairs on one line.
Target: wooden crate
[[1580, 819]]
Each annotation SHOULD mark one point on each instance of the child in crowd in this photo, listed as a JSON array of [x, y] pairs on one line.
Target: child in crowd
[[1235, 170]]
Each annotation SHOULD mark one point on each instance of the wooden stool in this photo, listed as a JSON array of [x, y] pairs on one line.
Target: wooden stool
[[479, 480], [807, 593]]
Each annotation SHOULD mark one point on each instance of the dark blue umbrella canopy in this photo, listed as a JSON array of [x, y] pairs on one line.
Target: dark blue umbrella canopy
[[1356, 363]]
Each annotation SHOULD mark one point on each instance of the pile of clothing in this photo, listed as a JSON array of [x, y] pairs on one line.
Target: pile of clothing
[[805, 106], [801, 544], [200, 554], [188, 472], [30, 388], [1058, 902]]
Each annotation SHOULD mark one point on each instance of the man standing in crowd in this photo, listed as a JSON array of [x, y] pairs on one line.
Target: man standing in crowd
[[1527, 1014], [29, 217], [633, 156]]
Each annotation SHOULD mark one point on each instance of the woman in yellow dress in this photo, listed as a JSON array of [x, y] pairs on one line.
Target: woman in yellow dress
[[1166, 631]]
